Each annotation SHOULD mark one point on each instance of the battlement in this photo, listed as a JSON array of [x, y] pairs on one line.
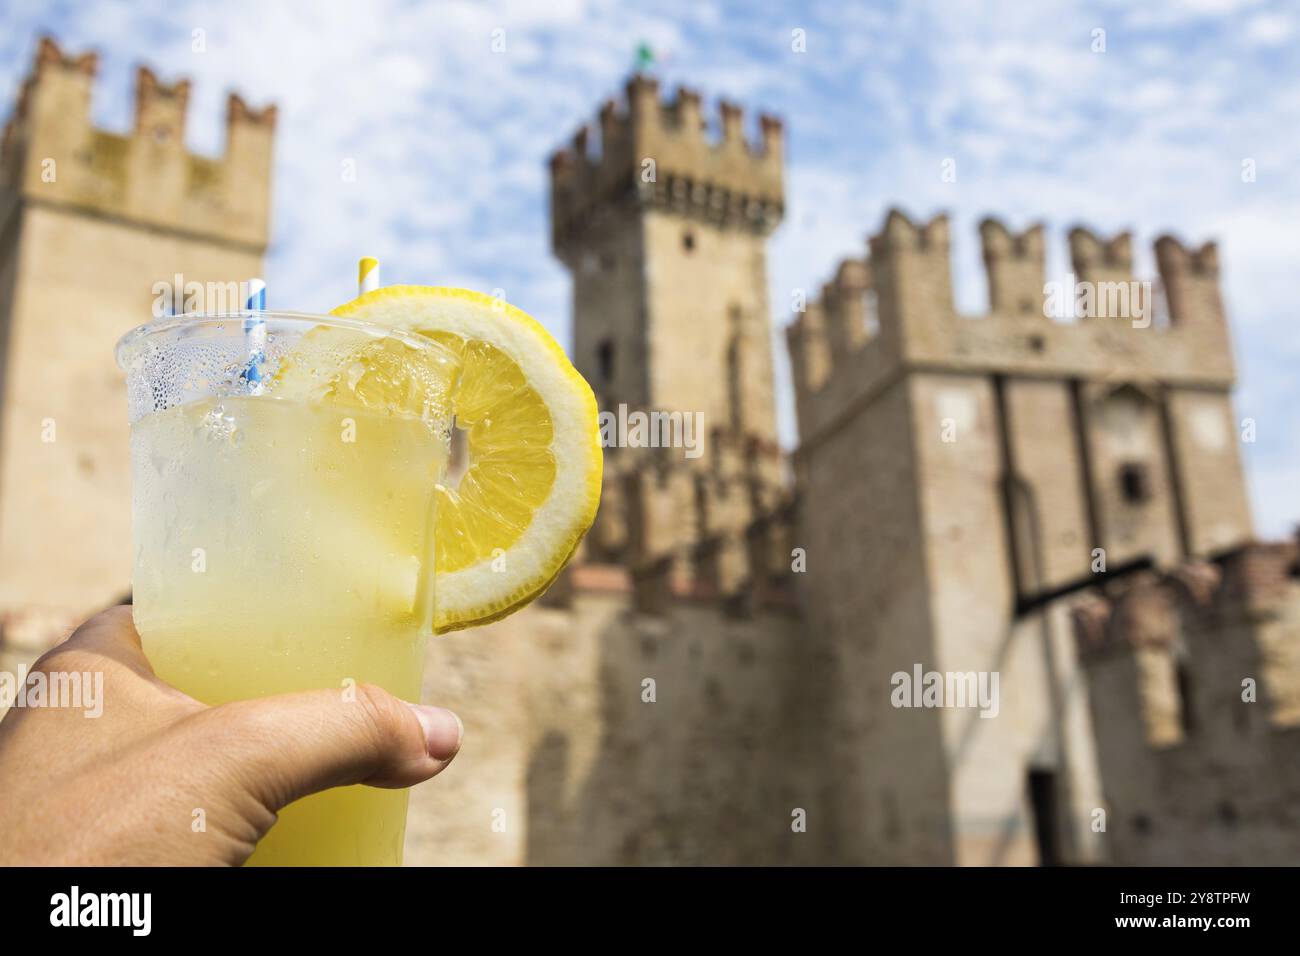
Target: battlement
[[1100, 322], [659, 154], [1014, 264], [1193, 681], [52, 153], [1092, 255], [711, 530], [1202, 624], [1252, 582]]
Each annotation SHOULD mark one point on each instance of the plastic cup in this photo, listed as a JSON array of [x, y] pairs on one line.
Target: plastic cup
[[283, 523]]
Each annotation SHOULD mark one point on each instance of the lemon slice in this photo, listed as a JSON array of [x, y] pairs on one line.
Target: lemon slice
[[532, 485]]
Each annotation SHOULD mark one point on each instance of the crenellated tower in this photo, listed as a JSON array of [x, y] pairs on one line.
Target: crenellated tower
[[93, 221], [664, 230], [972, 476]]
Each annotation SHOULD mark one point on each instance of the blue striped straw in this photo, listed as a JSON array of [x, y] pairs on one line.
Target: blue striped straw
[[255, 335], [256, 295]]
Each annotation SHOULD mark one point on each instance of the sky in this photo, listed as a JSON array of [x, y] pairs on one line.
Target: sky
[[446, 114]]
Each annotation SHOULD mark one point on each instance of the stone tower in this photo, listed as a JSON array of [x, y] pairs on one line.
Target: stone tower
[[664, 230], [962, 478], [92, 220], [665, 234]]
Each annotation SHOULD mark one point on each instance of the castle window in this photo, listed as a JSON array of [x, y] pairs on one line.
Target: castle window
[[605, 359], [688, 241], [735, 373], [1135, 482], [1186, 709]]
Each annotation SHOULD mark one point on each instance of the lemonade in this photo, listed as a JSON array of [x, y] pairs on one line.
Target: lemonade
[[283, 512], [285, 546]]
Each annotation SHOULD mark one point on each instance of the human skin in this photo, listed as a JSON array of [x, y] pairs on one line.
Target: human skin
[[122, 789]]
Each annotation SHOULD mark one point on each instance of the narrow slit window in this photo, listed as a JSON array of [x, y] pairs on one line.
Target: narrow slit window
[[605, 359]]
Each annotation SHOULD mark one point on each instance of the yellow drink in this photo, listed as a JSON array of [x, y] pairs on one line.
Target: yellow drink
[[284, 545]]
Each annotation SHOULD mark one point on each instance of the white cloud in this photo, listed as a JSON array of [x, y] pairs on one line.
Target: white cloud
[[450, 140], [1270, 29]]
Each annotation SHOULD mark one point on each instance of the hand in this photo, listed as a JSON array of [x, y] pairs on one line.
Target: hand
[[120, 789]]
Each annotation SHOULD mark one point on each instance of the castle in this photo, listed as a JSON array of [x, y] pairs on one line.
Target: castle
[[1059, 504]]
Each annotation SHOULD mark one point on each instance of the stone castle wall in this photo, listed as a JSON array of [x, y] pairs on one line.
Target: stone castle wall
[[53, 153], [1194, 681], [567, 761]]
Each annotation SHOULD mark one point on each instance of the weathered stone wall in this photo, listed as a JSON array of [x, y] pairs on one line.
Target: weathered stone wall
[[1051, 495], [567, 761], [865, 598], [971, 590], [610, 347], [1193, 679], [707, 295], [1207, 446]]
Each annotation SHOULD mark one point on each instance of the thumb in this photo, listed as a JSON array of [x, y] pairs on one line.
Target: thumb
[[281, 748]]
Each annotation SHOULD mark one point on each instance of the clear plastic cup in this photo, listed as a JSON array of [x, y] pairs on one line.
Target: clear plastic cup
[[283, 471]]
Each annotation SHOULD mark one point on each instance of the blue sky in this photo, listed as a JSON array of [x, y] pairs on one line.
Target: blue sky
[[449, 140]]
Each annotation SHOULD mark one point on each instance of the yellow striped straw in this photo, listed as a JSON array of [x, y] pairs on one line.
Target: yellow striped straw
[[367, 275]]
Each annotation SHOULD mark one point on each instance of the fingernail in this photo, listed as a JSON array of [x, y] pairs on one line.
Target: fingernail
[[442, 730]]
